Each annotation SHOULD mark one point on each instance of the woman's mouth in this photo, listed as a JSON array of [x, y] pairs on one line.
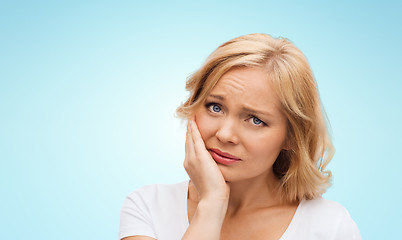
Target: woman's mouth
[[222, 157]]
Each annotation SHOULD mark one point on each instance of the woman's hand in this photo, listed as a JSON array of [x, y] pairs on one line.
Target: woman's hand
[[201, 167], [213, 191]]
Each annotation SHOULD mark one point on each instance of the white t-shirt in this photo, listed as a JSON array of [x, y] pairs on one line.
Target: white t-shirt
[[160, 211]]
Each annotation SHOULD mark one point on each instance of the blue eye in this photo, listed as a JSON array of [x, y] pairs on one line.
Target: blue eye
[[257, 121], [215, 108]]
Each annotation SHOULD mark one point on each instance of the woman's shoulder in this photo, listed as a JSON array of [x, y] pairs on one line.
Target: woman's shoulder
[[160, 191], [322, 211], [146, 211], [323, 217], [322, 205]]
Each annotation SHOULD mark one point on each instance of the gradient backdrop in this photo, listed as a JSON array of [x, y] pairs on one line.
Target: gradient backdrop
[[88, 92]]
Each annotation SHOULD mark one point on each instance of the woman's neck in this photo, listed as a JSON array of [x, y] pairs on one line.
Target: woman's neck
[[254, 193], [248, 195]]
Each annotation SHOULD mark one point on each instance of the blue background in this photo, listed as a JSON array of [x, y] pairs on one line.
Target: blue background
[[88, 92]]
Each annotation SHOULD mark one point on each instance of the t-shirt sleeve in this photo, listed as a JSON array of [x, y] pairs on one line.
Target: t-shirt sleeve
[[135, 217], [347, 228]]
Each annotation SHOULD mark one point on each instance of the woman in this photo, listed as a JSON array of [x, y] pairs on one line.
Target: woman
[[256, 149]]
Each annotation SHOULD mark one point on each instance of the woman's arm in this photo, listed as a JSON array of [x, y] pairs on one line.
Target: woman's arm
[[207, 221], [213, 191]]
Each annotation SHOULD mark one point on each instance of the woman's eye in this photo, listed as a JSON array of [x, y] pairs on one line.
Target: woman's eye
[[214, 108], [257, 121]]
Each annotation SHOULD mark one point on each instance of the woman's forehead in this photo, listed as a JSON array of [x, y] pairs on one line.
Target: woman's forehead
[[249, 86]]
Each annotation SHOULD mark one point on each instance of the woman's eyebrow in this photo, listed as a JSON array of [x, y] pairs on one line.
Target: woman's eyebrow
[[217, 97], [245, 109], [252, 111]]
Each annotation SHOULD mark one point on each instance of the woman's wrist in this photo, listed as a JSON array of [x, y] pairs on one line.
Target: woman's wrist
[[207, 221], [214, 207]]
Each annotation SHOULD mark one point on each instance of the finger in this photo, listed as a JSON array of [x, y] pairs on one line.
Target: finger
[[187, 139], [190, 142], [199, 145]]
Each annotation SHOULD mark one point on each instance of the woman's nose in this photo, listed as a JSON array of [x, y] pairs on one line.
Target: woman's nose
[[227, 132]]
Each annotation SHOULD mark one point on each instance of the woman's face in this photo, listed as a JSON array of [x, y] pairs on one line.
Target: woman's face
[[242, 125]]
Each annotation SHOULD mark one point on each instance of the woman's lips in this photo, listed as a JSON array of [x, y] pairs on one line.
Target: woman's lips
[[222, 157]]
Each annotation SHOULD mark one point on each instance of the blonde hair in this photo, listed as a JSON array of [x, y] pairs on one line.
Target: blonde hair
[[301, 168]]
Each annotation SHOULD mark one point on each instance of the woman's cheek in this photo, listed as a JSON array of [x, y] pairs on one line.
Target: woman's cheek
[[205, 124]]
